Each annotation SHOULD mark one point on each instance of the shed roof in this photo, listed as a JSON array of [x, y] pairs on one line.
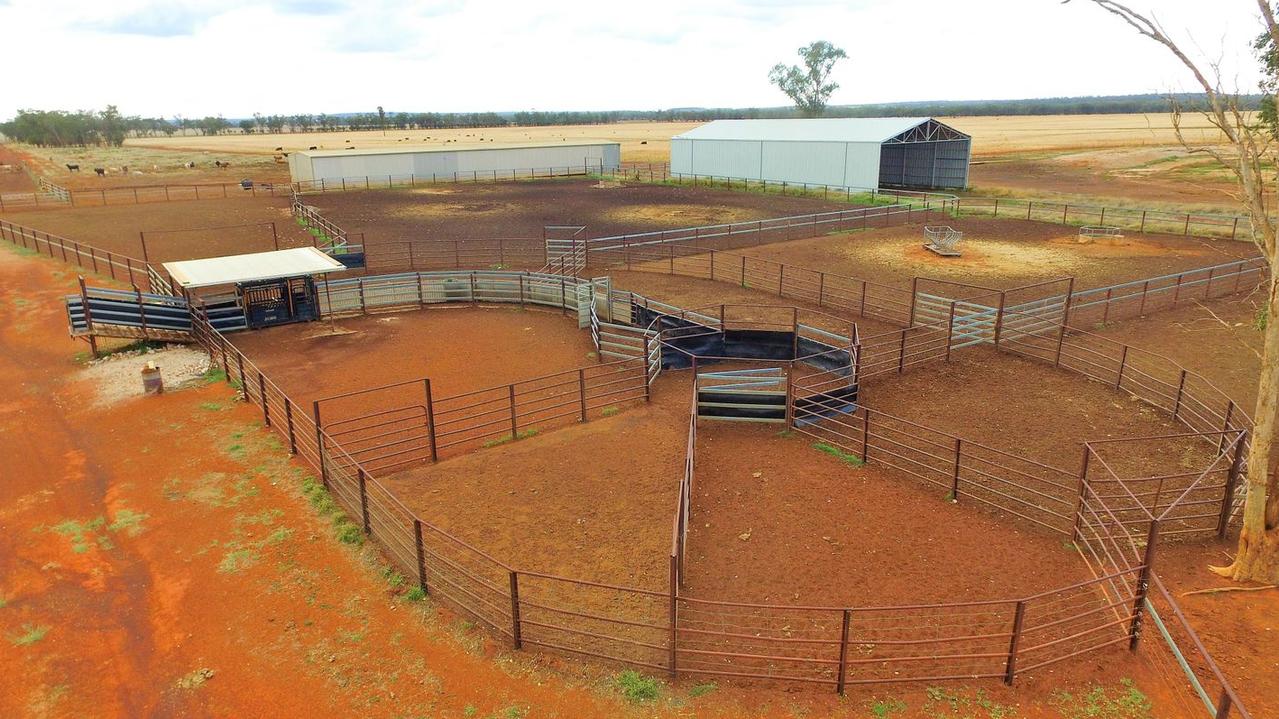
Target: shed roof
[[408, 149], [826, 129], [231, 269]]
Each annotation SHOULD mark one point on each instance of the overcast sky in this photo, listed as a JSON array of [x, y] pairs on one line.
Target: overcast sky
[[237, 57]]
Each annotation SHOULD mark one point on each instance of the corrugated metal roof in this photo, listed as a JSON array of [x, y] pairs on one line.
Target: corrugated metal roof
[[824, 129], [254, 266], [409, 149]]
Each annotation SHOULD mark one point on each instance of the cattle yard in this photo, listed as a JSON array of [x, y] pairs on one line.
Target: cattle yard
[[519, 390]]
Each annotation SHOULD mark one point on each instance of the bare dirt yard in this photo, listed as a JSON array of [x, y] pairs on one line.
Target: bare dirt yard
[[239, 225], [460, 349], [1003, 253], [523, 208]]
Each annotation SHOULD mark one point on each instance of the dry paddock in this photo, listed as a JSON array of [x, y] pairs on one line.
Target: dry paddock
[[523, 208], [240, 225], [1002, 253]]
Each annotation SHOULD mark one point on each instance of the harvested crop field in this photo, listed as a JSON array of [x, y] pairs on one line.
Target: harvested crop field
[[1003, 253], [116, 228], [523, 208]]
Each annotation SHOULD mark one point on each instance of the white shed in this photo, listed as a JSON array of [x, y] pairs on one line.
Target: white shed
[[445, 161], [858, 152]]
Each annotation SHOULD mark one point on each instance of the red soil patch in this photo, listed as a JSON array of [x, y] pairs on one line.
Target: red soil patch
[[459, 348]]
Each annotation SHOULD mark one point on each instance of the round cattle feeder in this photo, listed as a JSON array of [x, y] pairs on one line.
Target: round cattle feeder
[[943, 240]]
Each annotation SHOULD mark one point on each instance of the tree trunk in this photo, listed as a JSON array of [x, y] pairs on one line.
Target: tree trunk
[[1258, 557]]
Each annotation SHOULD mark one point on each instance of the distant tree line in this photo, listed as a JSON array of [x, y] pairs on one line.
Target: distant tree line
[[59, 128]]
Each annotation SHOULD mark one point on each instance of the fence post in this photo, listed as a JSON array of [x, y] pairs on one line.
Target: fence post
[[288, 420], [1145, 288], [515, 610], [865, 432], [319, 442], [581, 390], [430, 419], [999, 317], [514, 427], [1225, 426], [674, 611], [1123, 361], [266, 412], [1019, 617], [843, 653], [364, 499], [1143, 586], [1083, 490], [244, 381], [421, 555], [901, 354], [1181, 388], [1232, 480], [954, 485], [914, 300], [1143, 222]]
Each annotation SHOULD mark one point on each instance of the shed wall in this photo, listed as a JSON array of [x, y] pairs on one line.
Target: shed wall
[[482, 161]]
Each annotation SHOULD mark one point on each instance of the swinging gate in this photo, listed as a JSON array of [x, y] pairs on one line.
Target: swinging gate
[[744, 395]]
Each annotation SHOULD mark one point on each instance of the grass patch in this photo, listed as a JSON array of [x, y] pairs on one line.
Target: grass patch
[[30, 634], [214, 374], [636, 687], [346, 532], [415, 594], [886, 707], [1122, 702], [848, 458], [610, 411], [140, 347], [522, 434], [128, 521], [79, 533], [701, 690]]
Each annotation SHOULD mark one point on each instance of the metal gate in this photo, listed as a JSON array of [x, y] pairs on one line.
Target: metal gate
[[565, 249], [274, 302], [745, 395], [973, 323]]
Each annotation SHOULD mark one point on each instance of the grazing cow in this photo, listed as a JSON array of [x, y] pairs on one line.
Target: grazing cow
[[189, 165], [219, 163], [124, 169], [101, 171], [312, 147], [73, 168], [278, 149]]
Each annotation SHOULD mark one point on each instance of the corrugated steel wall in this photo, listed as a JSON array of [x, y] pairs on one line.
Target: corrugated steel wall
[[426, 164], [933, 164]]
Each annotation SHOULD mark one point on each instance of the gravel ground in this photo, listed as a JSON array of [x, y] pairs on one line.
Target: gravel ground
[[118, 377]]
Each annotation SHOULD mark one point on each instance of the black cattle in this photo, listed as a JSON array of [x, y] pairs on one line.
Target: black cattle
[[101, 171], [73, 168]]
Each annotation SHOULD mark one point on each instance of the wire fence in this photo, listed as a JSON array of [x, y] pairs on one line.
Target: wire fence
[[1139, 220]]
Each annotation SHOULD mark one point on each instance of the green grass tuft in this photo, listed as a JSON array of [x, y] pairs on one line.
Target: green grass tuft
[[523, 434], [1123, 702], [30, 634], [701, 690], [636, 687], [415, 594], [610, 411], [847, 458]]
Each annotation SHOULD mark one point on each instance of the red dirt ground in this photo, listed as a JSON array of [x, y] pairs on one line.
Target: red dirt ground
[[521, 209], [115, 228], [591, 501], [1003, 253], [459, 348], [751, 481], [14, 180]]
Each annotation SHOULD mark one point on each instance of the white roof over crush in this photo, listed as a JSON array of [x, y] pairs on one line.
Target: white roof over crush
[[824, 129], [254, 266]]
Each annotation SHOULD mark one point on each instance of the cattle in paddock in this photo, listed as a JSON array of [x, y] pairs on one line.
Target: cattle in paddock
[[278, 149], [189, 165], [101, 171], [312, 147], [278, 158], [219, 163], [73, 168]]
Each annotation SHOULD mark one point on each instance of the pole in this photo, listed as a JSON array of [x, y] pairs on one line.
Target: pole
[[430, 418], [1143, 586], [421, 555], [1010, 668], [515, 610], [843, 653]]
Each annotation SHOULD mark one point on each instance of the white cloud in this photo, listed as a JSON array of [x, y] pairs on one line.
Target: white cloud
[[237, 57]]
